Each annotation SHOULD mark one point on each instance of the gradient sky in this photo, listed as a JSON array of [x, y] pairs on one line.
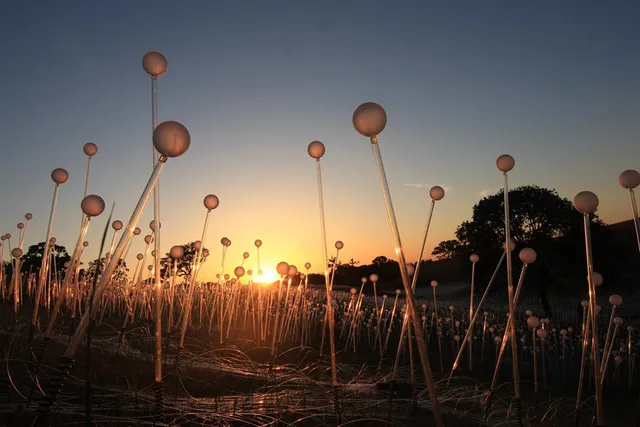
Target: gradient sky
[[555, 84]]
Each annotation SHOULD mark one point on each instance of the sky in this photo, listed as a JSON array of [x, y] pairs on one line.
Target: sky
[[554, 84]]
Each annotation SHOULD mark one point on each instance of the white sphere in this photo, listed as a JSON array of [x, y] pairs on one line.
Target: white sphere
[[258, 243], [282, 268], [239, 271], [369, 119], [90, 149], [505, 163], [474, 258], [59, 176], [373, 278], [154, 63], [434, 284], [436, 193], [533, 321], [617, 321], [16, 252], [528, 256], [316, 149], [629, 179], [586, 202], [171, 139], [339, 244], [92, 205], [307, 265], [410, 269], [117, 225], [211, 201], [293, 270], [597, 278], [176, 252], [615, 299]]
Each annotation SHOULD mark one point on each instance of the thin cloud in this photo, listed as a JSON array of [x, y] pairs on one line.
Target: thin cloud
[[446, 189]]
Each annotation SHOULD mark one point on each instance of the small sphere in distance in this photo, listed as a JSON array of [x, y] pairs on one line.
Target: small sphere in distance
[[92, 205], [139, 257], [293, 270], [85, 243], [211, 201], [597, 278], [16, 252], [363, 280], [239, 271], [197, 245], [410, 269], [245, 255], [59, 175], [258, 243], [20, 226], [171, 139], [90, 149], [436, 193], [505, 163], [28, 216], [369, 119], [148, 238], [137, 231], [533, 321], [373, 277], [629, 179], [117, 225], [282, 268], [528, 255], [434, 284], [586, 202], [152, 225], [474, 258], [339, 244], [176, 252], [307, 265], [316, 149], [154, 63], [615, 299]]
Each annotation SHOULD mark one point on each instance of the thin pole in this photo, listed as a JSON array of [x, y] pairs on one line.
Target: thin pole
[[156, 239], [410, 300]]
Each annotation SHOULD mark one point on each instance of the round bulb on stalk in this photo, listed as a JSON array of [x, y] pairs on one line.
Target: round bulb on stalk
[[90, 149], [436, 193], [369, 119], [339, 245], [474, 258], [586, 202], [373, 277], [154, 63], [92, 205], [258, 243], [211, 202], [316, 149], [505, 163], [528, 256], [615, 300], [629, 179], [293, 270], [28, 216], [171, 139], [307, 265], [59, 176], [117, 225], [239, 271], [282, 268]]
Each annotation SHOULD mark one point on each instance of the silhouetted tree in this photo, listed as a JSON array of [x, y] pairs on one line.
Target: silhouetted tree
[[32, 259], [447, 249], [185, 264]]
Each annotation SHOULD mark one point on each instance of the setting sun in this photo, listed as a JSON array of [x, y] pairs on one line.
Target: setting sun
[[269, 276]]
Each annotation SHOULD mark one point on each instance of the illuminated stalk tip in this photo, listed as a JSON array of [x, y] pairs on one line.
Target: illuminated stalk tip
[[369, 119]]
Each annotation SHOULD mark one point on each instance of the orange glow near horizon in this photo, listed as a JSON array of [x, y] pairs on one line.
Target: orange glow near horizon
[[269, 276]]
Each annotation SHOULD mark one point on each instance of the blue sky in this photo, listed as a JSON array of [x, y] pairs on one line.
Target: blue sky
[[555, 84]]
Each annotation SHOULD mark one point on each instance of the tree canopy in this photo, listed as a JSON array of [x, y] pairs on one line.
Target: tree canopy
[[32, 259], [185, 264]]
